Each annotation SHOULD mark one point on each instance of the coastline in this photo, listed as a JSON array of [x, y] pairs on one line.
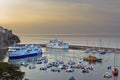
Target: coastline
[[3, 49], [3, 52]]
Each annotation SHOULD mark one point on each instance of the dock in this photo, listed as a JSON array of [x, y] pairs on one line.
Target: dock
[[78, 47]]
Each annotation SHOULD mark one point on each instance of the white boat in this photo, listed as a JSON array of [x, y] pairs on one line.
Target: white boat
[[87, 50], [15, 52], [57, 44], [32, 66], [70, 70], [107, 75], [117, 51]]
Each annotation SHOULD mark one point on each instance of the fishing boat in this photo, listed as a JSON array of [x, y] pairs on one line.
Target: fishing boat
[[17, 51], [92, 58], [115, 72], [57, 44]]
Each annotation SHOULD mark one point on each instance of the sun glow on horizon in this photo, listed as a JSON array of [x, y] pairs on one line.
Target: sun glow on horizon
[[80, 16], [21, 13]]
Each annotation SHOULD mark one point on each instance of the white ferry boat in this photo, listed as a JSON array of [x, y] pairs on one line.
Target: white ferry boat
[[57, 44], [15, 52]]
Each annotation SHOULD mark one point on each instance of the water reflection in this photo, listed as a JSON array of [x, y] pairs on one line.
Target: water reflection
[[49, 50], [66, 55], [22, 61]]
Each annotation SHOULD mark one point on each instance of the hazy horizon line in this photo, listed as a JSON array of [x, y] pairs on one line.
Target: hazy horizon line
[[99, 35]]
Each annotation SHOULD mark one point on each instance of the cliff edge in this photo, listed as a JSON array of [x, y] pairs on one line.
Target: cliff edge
[[7, 37]]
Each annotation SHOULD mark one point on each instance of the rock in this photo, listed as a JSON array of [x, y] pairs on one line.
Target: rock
[[7, 37]]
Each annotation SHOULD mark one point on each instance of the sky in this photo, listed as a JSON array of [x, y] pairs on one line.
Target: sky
[[86, 17]]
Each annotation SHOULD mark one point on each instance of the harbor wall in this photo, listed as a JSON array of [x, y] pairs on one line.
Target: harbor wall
[[84, 47], [78, 47]]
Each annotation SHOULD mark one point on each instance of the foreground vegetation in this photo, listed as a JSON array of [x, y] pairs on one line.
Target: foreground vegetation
[[10, 72]]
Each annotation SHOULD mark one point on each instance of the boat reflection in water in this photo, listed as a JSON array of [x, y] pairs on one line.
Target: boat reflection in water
[[92, 59], [50, 50], [24, 61], [56, 54]]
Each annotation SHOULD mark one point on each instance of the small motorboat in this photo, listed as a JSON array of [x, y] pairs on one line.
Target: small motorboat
[[115, 71], [24, 64], [87, 50], [94, 51], [65, 66], [43, 68], [85, 70], [71, 62], [72, 78], [55, 69], [39, 62], [60, 61], [70, 70], [77, 66], [46, 60], [117, 51], [32, 66], [107, 75], [101, 51], [109, 51], [49, 65], [90, 67]]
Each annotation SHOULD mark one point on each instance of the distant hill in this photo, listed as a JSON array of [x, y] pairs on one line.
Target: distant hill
[[7, 37]]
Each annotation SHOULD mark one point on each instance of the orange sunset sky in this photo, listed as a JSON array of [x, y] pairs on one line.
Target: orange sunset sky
[[100, 17]]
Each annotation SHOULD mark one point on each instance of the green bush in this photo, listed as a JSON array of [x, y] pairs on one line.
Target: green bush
[[10, 71]]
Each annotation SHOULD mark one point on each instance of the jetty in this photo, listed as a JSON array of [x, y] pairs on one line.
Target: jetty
[[78, 47], [85, 47]]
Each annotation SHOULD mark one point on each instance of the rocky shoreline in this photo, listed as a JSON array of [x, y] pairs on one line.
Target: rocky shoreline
[[7, 38]]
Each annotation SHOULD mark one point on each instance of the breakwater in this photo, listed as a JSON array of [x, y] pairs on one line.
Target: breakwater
[[84, 47]]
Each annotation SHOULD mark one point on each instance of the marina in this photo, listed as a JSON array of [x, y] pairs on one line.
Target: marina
[[60, 40], [79, 62], [70, 59]]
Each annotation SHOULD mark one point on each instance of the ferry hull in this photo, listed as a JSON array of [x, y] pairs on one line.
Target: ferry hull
[[58, 47], [24, 56]]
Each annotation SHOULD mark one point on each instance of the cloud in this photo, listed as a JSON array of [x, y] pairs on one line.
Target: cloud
[[45, 12], [61, 16]]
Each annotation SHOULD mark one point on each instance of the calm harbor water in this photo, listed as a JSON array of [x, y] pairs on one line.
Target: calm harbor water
[[66, 55], [75, 55]]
